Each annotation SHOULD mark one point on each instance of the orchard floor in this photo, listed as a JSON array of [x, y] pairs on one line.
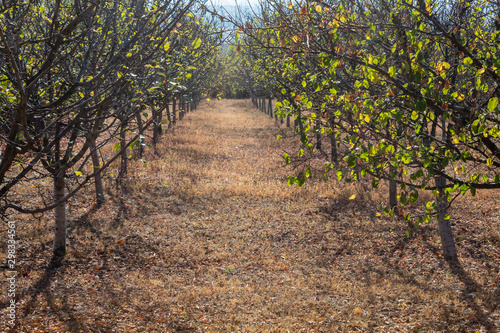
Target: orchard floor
[[207, 237]]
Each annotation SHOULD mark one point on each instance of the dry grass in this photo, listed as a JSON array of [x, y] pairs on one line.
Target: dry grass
[[209, 238]]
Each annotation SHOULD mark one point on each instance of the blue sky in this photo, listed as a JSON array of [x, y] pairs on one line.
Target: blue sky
[[232, 2]]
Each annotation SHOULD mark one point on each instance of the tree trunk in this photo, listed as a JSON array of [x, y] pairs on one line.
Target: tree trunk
[[155, 125], [393, 194], [138, 117], [299, 122], [318, 135], [357, 171], [183, 108], [447, 241], [174, 104], [160, 119], [99, 189], [124, 157], [60, 216], [333, 143], [169, 116], [287, 120]]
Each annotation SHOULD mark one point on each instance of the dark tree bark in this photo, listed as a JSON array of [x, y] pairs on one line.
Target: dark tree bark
[[123, 157], [447, 241], [99, 188]]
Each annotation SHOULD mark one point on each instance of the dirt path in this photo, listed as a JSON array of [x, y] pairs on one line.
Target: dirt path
[[209, 238]]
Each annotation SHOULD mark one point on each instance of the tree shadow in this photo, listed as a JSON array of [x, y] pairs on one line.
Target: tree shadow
[[473, 291]]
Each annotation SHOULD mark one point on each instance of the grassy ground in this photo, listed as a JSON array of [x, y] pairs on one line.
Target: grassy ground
[[209, 238]]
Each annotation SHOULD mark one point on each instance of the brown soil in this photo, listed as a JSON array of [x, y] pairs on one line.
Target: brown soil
[[207, 237]]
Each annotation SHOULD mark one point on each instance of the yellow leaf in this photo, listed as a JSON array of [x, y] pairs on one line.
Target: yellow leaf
[[352, 197], [319, 9]]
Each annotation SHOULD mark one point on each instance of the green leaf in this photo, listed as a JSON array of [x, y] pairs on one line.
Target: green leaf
[[413, 197], [351, 161], [492, 104], [300, 181], [117, 147], [308, 173], [196, 43], [421, 105], [392, 71], [287, 158]]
